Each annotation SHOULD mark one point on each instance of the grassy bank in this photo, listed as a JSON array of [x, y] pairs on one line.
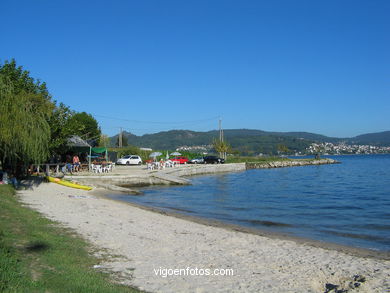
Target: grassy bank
[[36, 255]]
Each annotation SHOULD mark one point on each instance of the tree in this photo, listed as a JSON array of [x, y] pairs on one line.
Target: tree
[[83, 125], [65, 122], [21, 81], [58, 132], [25, 107], [32, 126], [317, 152], [221, 147], [104, 140], [283, 148]]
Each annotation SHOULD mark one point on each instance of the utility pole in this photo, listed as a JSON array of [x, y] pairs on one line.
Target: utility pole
[[221, 154], [220, 130], [120, 137]]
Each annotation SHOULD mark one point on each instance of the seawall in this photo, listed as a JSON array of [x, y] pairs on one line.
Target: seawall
[[294, 163], [191, 170]]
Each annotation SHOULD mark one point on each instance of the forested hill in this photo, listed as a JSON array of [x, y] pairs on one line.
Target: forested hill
[[245, 140], [378, 138]]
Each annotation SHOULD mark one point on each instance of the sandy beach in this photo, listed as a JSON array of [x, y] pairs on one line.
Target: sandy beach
[[161, 253]]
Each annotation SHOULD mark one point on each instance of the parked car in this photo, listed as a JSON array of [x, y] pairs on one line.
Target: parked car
[[180, 160], [213, 160], [196, 161], [130, 160]]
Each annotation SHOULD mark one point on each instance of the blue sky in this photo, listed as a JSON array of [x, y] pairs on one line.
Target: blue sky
[[149, 66]]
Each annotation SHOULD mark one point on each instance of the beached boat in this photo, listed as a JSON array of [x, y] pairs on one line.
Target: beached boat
[[68, 183]]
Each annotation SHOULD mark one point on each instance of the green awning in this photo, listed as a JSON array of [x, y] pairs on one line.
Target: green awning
[[99, 150]]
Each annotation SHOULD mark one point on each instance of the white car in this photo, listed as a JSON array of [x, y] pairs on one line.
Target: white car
[[196, 161], [130, 160]]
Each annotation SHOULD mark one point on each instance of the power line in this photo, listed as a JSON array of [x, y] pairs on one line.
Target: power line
[[157, 122]]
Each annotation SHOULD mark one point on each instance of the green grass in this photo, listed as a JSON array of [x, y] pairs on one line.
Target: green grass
[[36, 255]]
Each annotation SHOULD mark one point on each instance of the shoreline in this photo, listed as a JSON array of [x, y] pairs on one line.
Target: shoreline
[[207, 170], [121, 181], [137, 241]]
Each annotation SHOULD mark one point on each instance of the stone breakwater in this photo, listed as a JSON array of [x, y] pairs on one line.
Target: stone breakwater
[[293, 163]]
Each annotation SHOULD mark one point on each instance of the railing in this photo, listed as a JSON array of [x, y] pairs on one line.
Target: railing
[[49, 169]]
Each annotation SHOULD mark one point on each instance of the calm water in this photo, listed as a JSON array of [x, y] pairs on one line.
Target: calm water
[[347, 203]]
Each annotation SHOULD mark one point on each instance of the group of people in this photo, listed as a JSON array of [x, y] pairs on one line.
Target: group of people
[[6, 178]]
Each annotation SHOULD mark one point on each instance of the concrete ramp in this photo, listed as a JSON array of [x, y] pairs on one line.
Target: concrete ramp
[[171, 179], [119, 189]]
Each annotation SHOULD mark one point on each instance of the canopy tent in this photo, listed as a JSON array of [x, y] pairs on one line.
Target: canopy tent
[[154, 155], [77, 142], [79, 145], [100, 151]]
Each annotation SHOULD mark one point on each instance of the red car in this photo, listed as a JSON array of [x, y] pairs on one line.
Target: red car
[[180, 160]]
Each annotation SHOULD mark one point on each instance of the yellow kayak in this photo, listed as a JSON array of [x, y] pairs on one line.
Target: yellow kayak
[[68, 183]]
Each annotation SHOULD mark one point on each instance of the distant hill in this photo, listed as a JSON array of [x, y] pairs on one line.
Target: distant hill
[[246, 140], [167, 139], [378, 138], [310, 136]]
